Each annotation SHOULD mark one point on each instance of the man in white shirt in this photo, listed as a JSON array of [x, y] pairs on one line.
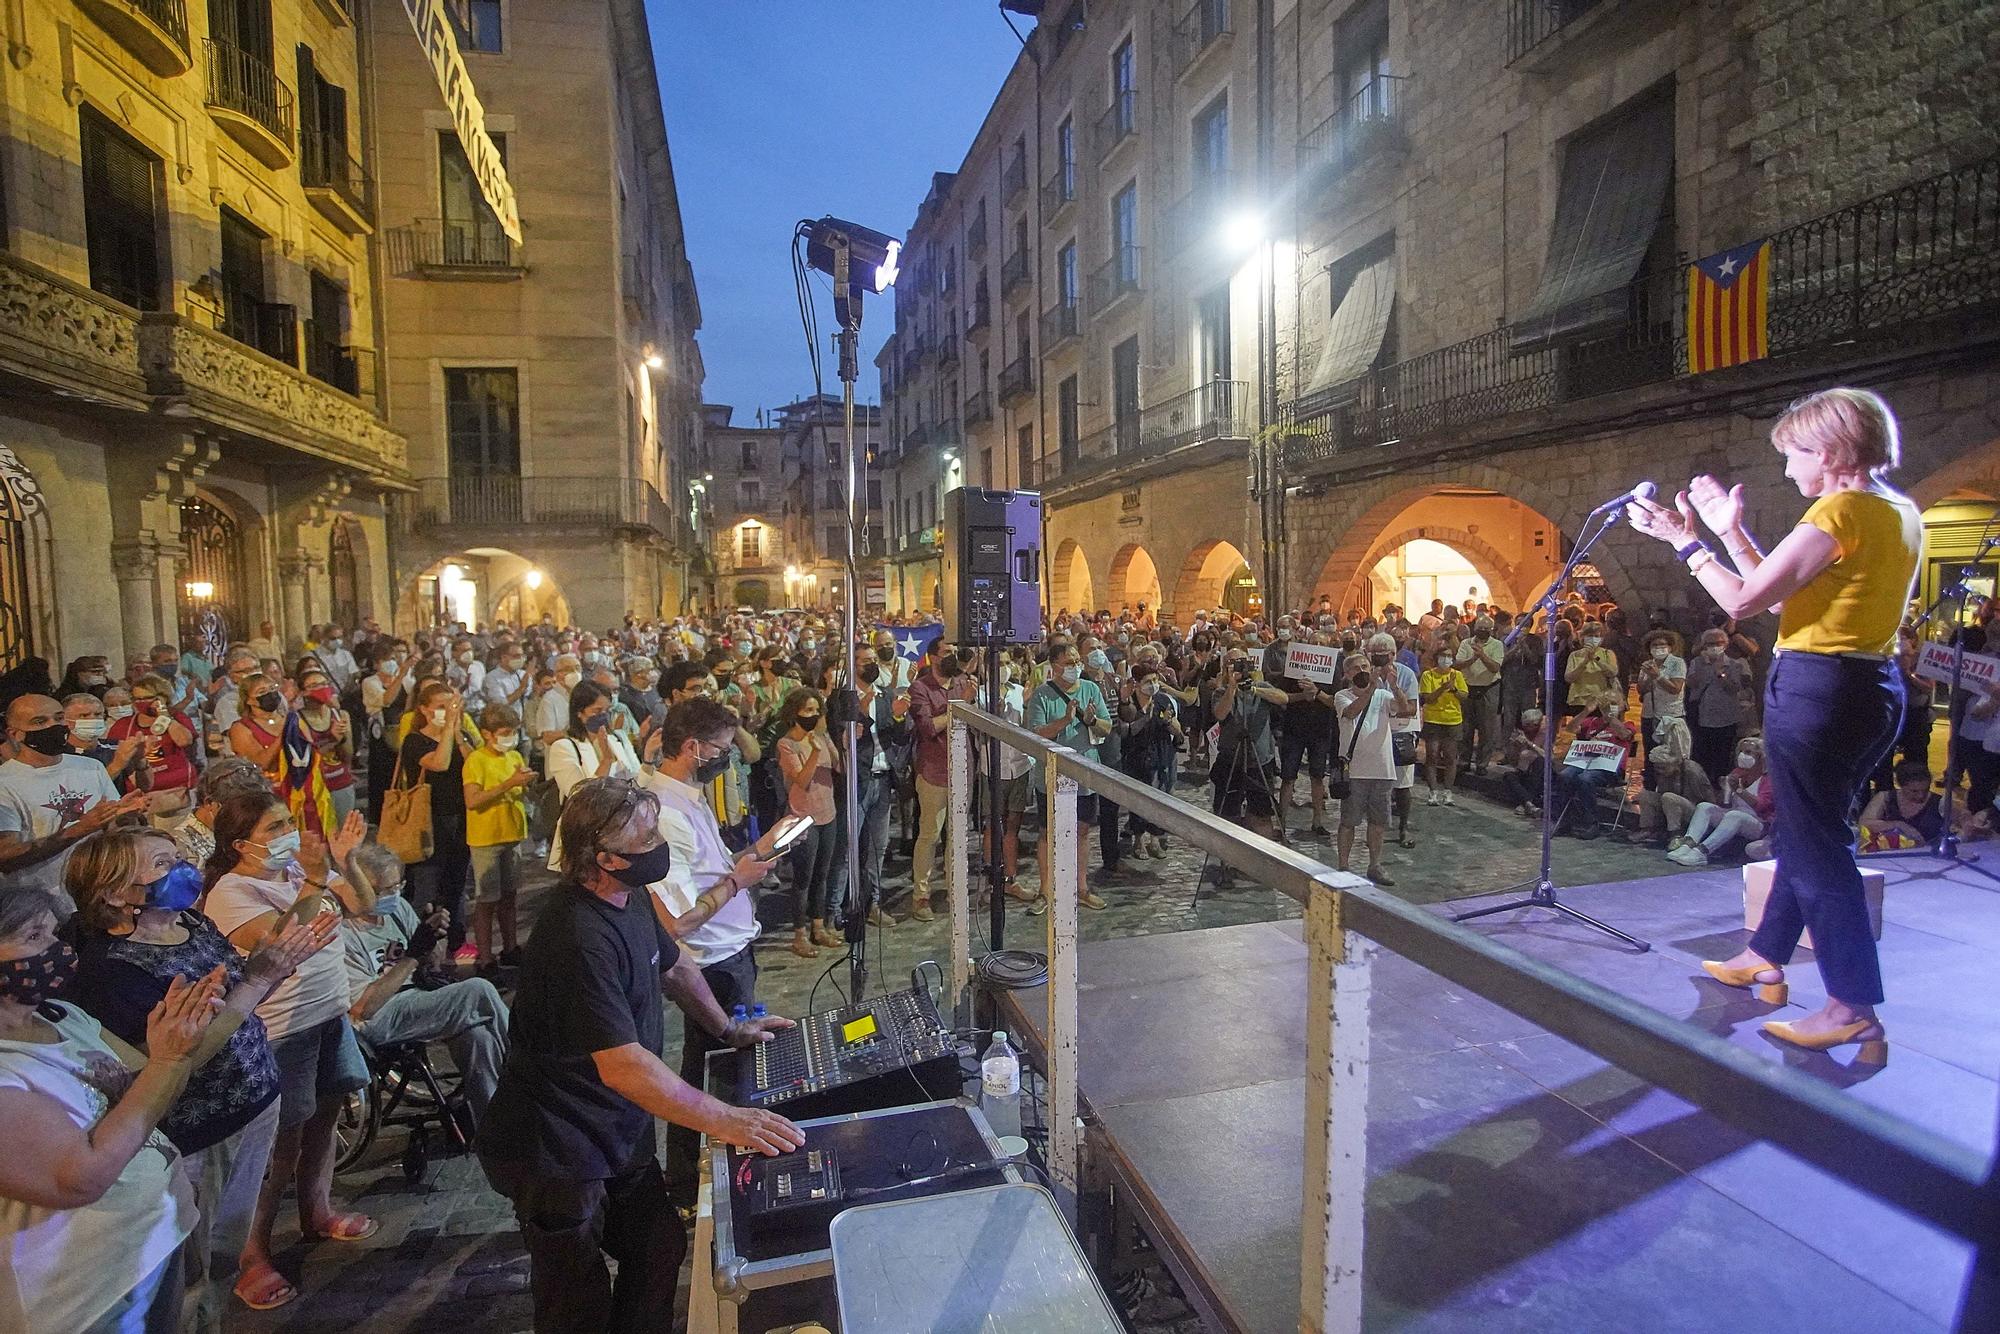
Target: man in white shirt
[[1369, 707], [50, 800], [507, 683], [701, 903], [466, 671], [335, 657]]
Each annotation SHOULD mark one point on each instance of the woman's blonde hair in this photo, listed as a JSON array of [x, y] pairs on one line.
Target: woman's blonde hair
[[1853, 429], [102, 863]]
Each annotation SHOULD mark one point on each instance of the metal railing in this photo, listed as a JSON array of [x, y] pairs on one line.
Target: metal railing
[[947, 344], [449, 243], [244, 83], [1058, 191], [1368, 122], [1945, 1184], [1115, 278], [921, 347], [1013, 272], [1119, 122], [975, 235], [1927, 249], [1197, 214], [348, 369], [979, 408], [1060, 322], [1218, 410], [1017, 378], [169, 16], [1532, 22], [1205, 23], [981, 315], [272, 327], [325, 164], [506, 500], [1015, 178]]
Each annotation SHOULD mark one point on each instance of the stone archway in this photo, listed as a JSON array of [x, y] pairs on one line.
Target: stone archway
[[1500, 574], [489, 583], [1204, 577], [1070, 584], [1134, 579]]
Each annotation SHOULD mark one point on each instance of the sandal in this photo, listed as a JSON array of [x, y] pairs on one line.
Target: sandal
[[345, 1227], [270, 1291]]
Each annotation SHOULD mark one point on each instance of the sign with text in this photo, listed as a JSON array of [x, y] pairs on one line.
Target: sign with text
[[1934, 664], [440, 43], [1594, 756], [1312, 662]]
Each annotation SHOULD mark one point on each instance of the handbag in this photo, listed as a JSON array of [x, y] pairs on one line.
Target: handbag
[[405, 828], [1403, 747], [1337, 785]]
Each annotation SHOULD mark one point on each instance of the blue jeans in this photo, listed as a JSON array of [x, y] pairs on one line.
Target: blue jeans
[[812, 872], [153, 1307], [876, 793], [1827, 723]]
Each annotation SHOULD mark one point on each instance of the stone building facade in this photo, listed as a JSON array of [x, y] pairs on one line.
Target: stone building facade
[[192, 440], [551, 390], [813, 513], [746, 496], [1449, 244]]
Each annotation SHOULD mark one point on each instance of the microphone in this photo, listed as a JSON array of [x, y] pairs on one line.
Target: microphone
[[1643, 491]]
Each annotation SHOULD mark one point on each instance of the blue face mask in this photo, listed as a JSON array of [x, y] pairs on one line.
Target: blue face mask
[[177, 890]]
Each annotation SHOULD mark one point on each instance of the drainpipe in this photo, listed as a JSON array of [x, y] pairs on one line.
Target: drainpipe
[[1271, 494]]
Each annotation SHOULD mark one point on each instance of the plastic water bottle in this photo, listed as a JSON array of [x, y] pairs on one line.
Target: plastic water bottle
[[758, 1011], [1000, 1068], [739, 1013]]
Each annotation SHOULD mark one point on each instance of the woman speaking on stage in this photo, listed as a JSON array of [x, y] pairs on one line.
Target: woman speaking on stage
[[1832, 707]]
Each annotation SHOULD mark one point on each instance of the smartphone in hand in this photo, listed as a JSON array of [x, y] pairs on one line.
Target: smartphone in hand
[[782, 836]]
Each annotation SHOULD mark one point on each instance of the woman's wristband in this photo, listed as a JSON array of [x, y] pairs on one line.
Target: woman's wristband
[[1685, 551]]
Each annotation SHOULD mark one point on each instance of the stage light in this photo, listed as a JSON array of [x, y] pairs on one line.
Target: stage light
[[872, 255], [1242, 231]]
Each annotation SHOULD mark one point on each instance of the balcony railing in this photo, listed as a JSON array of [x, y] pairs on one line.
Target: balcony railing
[[504, 500], [1218, 410], [1204, 24], [921, 347], [1060, 323], [1367, 123], [1014, 179], [325, 164], [1119, 122], [980, 317], [1853, 275], [975, 235], [1014, 272], [1196, 215], [1532, 22], [1116, 278], [271, 327], [947, 347], [348, 369], [154, 30], [243, 83], [1017, 378], [442, 245], [1058, 191], [979, 408]]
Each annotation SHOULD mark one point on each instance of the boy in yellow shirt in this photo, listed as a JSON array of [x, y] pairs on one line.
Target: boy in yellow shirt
[[496, 820]]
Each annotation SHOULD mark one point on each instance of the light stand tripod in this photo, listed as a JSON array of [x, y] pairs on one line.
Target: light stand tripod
[[1946, 847], [847, 315], [1542, 889]]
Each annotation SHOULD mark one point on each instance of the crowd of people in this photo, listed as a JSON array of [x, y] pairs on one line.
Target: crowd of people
[[214, 902]]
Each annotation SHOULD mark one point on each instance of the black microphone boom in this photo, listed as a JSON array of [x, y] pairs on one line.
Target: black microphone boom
[[1643, 491]]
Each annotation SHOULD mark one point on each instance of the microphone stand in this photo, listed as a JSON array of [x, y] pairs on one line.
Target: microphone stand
[[847, 291], [1542, 889], [1946, 848]]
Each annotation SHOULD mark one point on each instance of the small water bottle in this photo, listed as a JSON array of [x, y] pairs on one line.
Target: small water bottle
[[739, 1013], [1000, 1086], [758, 1011]]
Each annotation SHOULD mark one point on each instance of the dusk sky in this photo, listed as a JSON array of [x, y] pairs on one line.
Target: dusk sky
[[783, 109]]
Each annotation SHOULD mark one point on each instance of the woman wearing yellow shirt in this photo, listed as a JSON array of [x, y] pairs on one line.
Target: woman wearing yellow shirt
[[1832, 706], [1442, 690]]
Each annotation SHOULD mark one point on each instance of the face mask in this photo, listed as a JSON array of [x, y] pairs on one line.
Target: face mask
[[1283, 634], [570, 680], [118, 711], [465, 659], [1592, 641], [50, 740], [1745, 760], [92, 678], [1147, 689], [513, 664], [1381, 659], [1659, 653], [709, 770], [1713, 652], [35, 979], [177, 889], [809, 721], [387, 666], [89, 729], [1098, 661], [1071, 674], [438, 716], [1124, 639], [643, 868], [598, 722], [321, 695], [1482, 635], [280, 850], [507, 740]]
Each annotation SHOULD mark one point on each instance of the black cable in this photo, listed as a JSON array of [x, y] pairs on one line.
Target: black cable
[[1016, 970], [813, 996]]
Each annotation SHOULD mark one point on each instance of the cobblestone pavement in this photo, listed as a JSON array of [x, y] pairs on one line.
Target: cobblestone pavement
[[447, 1256]]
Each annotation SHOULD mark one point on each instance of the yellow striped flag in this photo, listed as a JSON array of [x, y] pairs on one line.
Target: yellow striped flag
[[1729, 299]]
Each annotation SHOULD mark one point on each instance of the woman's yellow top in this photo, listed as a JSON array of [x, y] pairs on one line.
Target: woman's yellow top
[[1855, 604], [1447, 709]]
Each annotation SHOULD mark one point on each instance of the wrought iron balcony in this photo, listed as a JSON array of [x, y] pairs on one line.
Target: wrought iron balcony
[[1115, 279], [505, 501], [979, 408], [155, 31], [1859, 276], [1119, 122], [1017, 379], [248, 99], [1014, 179], [348, 369], [1217, 411], [1204, 27], [980, 318], [1060, 323], [1196, 215], [975, 235], [1532, 22], [1368, 122], [1014, 272], [335, 182], [947, 347], [1058, 191], [272, 327], [453, 248], [921, 347]]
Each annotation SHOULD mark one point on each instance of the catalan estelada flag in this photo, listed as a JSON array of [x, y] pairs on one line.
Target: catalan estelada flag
[[1729, 300]]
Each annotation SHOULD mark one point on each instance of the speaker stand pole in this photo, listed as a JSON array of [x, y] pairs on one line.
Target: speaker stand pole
[[996, 816], [847, 314]]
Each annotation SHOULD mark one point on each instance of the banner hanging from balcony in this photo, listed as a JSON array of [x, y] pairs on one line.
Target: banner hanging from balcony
[[1729, 300], [432, 20]]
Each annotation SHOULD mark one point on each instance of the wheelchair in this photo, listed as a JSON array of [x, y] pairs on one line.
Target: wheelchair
[[404, 1090]]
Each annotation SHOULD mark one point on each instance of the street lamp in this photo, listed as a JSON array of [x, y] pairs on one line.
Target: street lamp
[[655, 362], [1242, 230], [534, 580]]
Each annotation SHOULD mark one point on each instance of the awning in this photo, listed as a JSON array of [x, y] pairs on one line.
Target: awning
[[1354, 337], [1614, 186]]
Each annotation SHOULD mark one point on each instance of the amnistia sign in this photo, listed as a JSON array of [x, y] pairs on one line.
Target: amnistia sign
[[440, 43], [1318, 663]]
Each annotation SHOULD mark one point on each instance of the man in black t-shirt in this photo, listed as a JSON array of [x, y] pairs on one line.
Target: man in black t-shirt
[[569, 1134]]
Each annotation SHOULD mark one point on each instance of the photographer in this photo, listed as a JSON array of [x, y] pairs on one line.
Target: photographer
[[1245, 770], [1069, 711]]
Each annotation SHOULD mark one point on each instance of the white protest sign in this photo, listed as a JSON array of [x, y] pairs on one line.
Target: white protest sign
[[1312, 662], [1934, 664], [1594, 756]]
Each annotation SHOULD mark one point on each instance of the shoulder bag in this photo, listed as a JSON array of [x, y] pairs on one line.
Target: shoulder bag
[[1337, 785], [406, 818]]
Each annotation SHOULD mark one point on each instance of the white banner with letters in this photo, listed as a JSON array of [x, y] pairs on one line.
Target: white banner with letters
[[468, 117], [1934, 664], [1599, 756], [1319, 663]]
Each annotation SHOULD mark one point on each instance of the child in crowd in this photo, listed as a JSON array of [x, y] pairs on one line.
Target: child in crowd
[[496, 822]]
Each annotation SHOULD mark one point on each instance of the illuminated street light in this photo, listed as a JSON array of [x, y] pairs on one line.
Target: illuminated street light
[[872, 255], [1242, 231], [200, 589], [654, 361], [534, 579]]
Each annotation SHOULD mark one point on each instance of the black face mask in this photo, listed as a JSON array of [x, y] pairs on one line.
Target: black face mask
[[709, 770], [269, 701], [33, 980], [50, 740], [643, 868], [809, 721]]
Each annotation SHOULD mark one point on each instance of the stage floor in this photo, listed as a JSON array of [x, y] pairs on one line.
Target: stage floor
[[1515, 1182]]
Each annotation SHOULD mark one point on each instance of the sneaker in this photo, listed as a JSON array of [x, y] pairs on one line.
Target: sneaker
[[466, 953], [1522, 809], [1434, 799], [1693, 854], [1380, 877], [1300, 800], [1676, 843], [1092, 901], [1449, 800], [1140, 850], [1038, 907], [1320, 831], [1532, 811]]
